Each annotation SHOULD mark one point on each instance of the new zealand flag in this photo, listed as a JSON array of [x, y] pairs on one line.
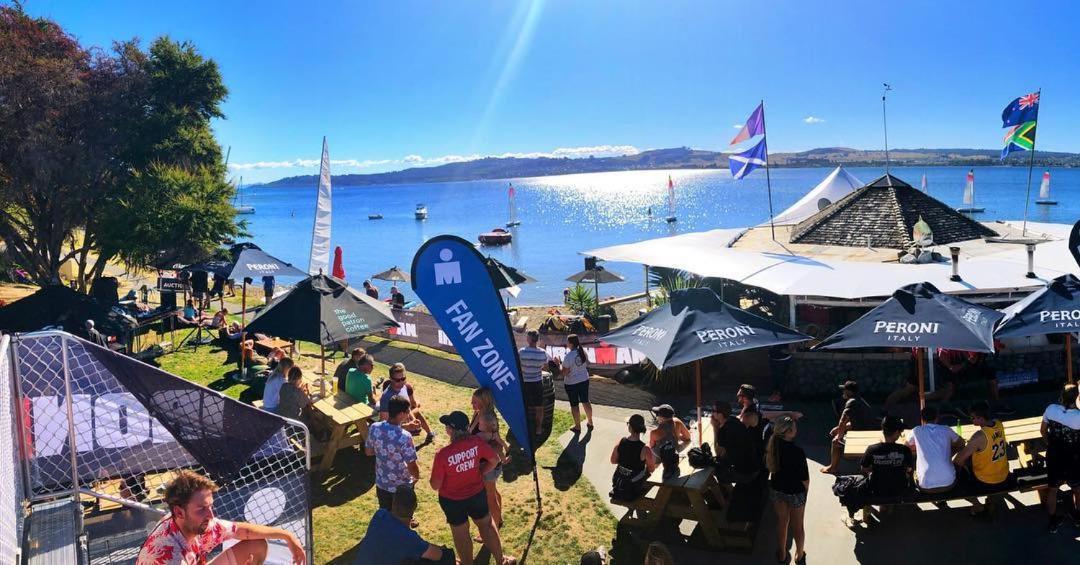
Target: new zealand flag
[[1021, 110]]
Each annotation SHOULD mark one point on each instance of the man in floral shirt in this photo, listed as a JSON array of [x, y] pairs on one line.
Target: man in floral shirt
[[392, 447], [191, 531]]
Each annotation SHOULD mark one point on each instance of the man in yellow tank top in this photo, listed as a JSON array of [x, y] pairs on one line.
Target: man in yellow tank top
[[986, 450]]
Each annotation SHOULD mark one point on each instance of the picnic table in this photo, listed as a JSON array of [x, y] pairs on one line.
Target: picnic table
[[694, 495], [1022, 433], [347, 419]]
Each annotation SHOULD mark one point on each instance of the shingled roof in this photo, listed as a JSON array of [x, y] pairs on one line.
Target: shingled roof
[[882, 214]]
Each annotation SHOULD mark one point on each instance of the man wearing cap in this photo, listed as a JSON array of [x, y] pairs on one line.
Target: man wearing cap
[[856, 415], [533, 360], [457, 473], [888, 467], [389, 539], [733, 446]]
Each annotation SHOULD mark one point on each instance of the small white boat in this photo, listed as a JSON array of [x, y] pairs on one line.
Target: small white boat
[[1044, 191], [240, 208], [421, 212], [969, 196], [512, 221]]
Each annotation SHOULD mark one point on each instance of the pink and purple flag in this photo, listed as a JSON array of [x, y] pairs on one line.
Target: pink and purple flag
[[755, 125]]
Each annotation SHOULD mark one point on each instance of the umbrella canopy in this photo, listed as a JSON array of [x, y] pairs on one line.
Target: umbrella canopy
[[919, 315], [1051, 310], [505, 276], [597, 275], [696, 324], [58, 305], [392, 274], [323, 310], [254, 263]]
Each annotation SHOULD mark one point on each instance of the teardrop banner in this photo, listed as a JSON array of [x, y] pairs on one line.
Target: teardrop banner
[[1074, 242], [450, 277]]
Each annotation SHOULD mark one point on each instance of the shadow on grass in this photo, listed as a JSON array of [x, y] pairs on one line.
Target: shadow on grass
[[352, 475], [568, 467]]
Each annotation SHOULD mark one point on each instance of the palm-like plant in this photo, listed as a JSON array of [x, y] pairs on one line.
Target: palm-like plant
[[581, 300]]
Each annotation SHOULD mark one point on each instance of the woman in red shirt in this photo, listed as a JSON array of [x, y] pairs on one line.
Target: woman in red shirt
[[457, 473]]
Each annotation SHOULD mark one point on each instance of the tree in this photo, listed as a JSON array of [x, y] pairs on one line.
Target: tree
[[95, 145]]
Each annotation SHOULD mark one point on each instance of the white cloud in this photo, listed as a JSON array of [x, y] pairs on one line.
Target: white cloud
[[813, 120], [413, 160], [737, 126]]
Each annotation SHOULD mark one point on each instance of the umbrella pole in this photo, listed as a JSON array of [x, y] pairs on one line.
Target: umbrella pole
[[1068, 359], [922, 374], [701, 422], [243, 320]]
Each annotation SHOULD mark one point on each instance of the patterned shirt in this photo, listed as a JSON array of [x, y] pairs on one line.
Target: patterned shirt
[[166, 544], [394, 451], [533, 360]]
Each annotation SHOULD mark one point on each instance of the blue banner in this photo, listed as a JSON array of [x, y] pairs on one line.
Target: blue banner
[[450, 277]]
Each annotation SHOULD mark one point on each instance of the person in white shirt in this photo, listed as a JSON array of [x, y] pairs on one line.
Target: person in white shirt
[[1061, 430], [934, 445], [274, 381], [575, 373]]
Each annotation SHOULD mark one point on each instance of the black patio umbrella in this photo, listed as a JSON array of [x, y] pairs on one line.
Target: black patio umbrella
[[697, 324], [505, 276], [596, 276], [58, 305], [324, 310], [393, 274], [1052, 309], [920, 316]]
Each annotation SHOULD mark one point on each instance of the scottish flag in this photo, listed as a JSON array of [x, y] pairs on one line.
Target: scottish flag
[[743, 163]]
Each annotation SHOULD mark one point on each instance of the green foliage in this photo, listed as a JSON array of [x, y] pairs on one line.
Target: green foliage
[[581, 300], [87, 141]]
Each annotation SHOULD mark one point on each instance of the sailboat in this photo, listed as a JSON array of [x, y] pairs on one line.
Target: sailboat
[[671, 201], [969, 196], [240, 208], [925, 185], [319, 260], [513, 221], [1044, 191]]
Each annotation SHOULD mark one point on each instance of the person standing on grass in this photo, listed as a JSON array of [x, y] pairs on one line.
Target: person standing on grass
[[788, 484], [191, 531], [390, 540], [485, 425], [457, 473], [399, 388], [395, 456], [533, 359], [575, 374], [1061, 430]]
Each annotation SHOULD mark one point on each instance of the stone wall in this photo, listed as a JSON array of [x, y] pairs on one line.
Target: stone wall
[[814, 374]]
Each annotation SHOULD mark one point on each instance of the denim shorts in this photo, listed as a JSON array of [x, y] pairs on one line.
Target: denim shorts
[[794, 500], [577, 393]]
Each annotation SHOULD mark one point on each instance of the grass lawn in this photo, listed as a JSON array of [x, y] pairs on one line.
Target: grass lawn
[[575, 519]]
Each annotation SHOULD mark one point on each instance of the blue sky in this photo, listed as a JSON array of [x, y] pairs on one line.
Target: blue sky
[[403, 83]]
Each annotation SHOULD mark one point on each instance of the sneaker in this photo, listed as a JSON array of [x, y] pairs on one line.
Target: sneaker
[[1055, 523]]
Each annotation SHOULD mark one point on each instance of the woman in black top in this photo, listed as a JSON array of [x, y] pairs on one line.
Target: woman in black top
[[634, 461], [788, 484]]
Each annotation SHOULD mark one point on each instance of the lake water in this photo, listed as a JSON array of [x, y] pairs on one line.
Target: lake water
[[563, 215]]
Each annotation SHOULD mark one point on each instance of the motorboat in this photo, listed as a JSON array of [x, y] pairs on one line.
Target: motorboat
[[497, 236], [421, 212], [374, 216]]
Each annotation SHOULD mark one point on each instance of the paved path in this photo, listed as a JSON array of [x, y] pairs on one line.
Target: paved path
[[909, 535]]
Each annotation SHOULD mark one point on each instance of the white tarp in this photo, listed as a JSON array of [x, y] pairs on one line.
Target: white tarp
[[708, 254], [320, 235], [837, 185]]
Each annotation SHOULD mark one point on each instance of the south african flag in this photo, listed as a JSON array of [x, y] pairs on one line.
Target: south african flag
[[1019, 138]]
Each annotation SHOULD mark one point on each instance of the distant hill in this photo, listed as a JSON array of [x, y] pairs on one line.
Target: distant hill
[[680, 158]]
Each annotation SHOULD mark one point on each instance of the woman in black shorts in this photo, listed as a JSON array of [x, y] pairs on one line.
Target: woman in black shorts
[[575, 373], [788, 484]]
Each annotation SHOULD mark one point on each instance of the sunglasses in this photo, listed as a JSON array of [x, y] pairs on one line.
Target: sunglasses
[[401, 380]]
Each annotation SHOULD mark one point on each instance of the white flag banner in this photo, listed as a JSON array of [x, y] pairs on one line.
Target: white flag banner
[[320, 235]]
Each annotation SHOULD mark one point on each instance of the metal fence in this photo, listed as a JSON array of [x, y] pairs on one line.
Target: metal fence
[[11, 479], [85, 432]]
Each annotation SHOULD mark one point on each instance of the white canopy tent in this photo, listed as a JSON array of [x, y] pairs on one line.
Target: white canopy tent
[[837, 185], [999, 268]]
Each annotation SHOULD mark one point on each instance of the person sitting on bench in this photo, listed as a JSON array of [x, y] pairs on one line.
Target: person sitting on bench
[[984, 461], [633, 462], [856, 414], [934, 446], [396, 386], [665, 439], [735, 450], [887, 467], [1061, 430]]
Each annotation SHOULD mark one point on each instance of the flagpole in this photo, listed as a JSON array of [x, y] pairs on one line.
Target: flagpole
[[768, 181], [885, 125], [1031, 164]]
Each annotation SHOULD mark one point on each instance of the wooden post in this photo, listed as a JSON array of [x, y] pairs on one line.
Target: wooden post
[[700, 421], [322, 378], [1068, 359], [922, 375]]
